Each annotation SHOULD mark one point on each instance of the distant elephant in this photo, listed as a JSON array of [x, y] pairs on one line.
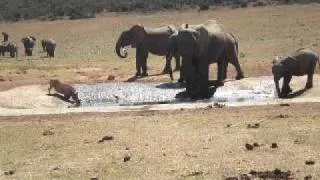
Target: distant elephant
[[199, 46], [5, 37], [10, 47], [145, 40], [28, 43], [302, 62], [49, 46]]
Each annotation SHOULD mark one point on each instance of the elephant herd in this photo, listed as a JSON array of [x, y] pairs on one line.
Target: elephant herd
[[48, 46], [201, 45]]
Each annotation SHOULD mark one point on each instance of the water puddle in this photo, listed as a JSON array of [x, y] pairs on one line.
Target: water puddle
[[125, 94]]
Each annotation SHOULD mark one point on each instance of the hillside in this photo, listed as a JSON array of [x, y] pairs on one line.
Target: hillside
[[15, 10]]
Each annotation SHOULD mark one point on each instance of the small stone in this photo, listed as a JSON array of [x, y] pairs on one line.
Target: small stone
[[111, 77], [228, 125], [232, 178], [284, 104], [126, 158], [256, 144], [309, 177], [2, 79], [48, 133], [94, 178], [10, 172], [310, 162], [181, 109], [127, 148], [106, 138], [274, 145], [283, 116], [249, 147]]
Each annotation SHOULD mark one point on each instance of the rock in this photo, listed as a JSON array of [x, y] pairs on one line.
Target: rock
[[111, 77], [2, 79], [284, 104], [256, 144], [10, 172], [48, 133], [232, 178], [228, 125], [94, 178], [309, 177], [106, 138], [249, 147], [218, 105], [255, 126], [283, 116], [126, 158], [310, 162], [274, 145], [127, 148]]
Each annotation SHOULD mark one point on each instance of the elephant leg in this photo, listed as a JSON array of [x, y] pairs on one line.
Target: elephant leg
[[309, 81], [286, 87], [276, 82], [235, 62], [310, 76], [182, 70], [203, 71], [138, 62], [144, 64], [222, 72], [167, 68], [177, 58]]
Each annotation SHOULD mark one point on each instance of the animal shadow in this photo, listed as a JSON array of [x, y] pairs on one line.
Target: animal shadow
[[184, 96], [171, 85], [61, 98], [135, 78], [296, 94]]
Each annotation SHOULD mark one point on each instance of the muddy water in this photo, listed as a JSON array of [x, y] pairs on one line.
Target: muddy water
[[99, 95]]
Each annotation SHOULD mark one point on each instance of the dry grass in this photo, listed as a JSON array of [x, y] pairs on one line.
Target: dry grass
[[87, 46], [163, 145]]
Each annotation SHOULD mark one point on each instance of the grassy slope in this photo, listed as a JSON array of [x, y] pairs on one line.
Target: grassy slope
[[163, 145], [84, 45]]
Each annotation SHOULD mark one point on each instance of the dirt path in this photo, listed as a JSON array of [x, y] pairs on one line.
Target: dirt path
[[33, 100]]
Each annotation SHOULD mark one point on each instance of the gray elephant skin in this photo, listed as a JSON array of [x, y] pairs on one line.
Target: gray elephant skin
[[49, 46], [9, 47], [146, 40], [28, 43], [199, 46], [302, 62]]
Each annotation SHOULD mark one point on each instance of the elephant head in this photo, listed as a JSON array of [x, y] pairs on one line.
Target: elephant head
[[28, 43], [279, 70], [132, 37]]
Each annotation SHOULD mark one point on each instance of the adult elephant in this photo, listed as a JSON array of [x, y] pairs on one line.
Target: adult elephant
[[49, 46], [10, 47], [146, 40], [199, 46], [28, 43]]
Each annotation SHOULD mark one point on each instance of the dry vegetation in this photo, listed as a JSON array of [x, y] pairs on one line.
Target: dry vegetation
[[162, 145], [85, 51]]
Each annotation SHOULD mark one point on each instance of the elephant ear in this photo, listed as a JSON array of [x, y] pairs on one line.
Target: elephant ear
[[203, 40], [138, 33]]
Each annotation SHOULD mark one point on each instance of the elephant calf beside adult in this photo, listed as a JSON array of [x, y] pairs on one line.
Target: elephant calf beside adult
[[28, 43], [301, 62], [49, 46], [199, 46], [146, 40]]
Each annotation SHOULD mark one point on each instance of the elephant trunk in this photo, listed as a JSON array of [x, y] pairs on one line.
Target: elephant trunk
[[120, 48]]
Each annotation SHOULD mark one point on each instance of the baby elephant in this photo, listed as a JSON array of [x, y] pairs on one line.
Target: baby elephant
[[302, 62], [65, 89]]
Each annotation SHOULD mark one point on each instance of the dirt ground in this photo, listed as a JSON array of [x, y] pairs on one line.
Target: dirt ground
[[184, 144]]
